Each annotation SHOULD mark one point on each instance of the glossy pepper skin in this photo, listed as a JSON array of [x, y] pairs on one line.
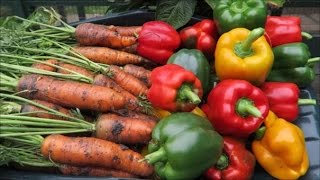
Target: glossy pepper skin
[[157, 41], [202, 36], [174, 88], [243, 54], [284, 99], [236, 162], [160, 113], [231, 14], [236, 108], [193, 60], [183, 146], [292, 63], [281, 151], [283, 30]]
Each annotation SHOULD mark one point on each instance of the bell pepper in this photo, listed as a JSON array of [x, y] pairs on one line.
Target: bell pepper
[[174, 88], [236, 162], [241, 54], [284, 29], [284, 99], [193, 60], [202, 36], [157, 41], [160, 113], [183, 146], [292, 63], [231, 14], [281, 149], [236, 108]]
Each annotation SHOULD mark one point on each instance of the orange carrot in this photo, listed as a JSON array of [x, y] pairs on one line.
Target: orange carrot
[[132, 101], [127, 81], [98, 35], [44, 114], [94, 171], [124, 130], [46, 67], [130, 49], [74, 68], [125, 30], [109, 56], [89, 151], [134, 114], [139, 72], [70, 93]]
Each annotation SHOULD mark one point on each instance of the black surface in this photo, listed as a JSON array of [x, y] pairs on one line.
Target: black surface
[[308, 119]]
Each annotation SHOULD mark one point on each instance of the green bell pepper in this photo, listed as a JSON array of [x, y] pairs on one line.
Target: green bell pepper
[[195, 61], [231, 14], [183, 146], [292, 63]]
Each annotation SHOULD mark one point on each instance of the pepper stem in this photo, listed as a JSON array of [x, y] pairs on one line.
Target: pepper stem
[[223, 162], [186, 93], [307, 102], [313, 60], [306, 35], [246, 107], [243, 49], [159, 155], [260, 133]]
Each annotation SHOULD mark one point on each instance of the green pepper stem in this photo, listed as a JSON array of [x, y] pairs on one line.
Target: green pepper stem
[[260, 132], [159, 155], [186, 93], [223, 162], [243, 49], [307, 102], [306, 35], [246, 107], [313, 60]]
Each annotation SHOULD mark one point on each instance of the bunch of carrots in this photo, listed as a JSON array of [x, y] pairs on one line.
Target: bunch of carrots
[[74, 99]]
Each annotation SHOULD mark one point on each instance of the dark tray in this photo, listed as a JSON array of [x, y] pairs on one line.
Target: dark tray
[[308, 119]]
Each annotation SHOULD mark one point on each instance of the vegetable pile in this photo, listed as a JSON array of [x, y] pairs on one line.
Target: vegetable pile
[[208, 101]]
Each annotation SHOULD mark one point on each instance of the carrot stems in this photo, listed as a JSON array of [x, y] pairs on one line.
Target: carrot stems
[[46, 132]]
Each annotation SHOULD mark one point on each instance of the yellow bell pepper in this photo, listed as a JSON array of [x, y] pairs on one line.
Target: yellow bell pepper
[[160, 113], [243, 54], [281, 151]]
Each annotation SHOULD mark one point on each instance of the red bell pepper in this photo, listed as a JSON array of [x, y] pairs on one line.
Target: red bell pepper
[[236, 108], [157, 41], [174, 88], [283, 30], [284, 99], [202, 36], [236, 162]]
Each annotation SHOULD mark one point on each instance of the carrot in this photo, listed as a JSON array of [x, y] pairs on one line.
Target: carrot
[[46, 67], [127, 81], [139, 72], [41, 113], [125, 30], [98, 35], [109, 56], [132, 101], [130, 49], [94, 171], [124, 129], [74, 68], [89, 151], [134, 114], [70, 93]]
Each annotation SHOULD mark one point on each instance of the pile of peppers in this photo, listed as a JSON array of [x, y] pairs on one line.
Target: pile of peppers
[[224, 83]]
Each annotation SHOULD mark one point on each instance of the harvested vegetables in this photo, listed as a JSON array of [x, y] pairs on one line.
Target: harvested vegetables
[[284, 99], [280, 148], [284, 29], [243, 54], [292, 63]]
